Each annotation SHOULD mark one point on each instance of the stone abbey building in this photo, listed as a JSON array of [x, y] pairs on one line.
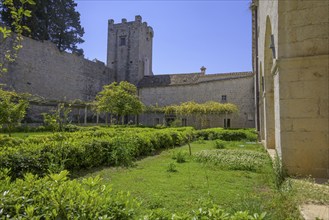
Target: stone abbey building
[[285, 97], [44, 71]]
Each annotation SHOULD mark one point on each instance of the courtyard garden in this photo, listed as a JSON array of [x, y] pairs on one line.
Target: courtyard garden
[[145, 173]]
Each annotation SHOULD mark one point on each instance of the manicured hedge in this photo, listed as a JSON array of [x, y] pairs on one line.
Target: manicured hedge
[[85, 149], [227, 134], [96, 146]]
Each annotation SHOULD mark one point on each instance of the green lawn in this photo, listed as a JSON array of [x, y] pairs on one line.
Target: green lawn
[[195, 183]]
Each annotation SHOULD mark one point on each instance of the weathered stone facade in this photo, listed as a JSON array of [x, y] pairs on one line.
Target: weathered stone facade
[[41, 69], [235, 88], [129, 50], [291, 62], [44, 71]]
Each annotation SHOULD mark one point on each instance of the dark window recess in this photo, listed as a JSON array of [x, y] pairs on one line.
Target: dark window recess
[[227, 123], [122, 41], [131, 61], [224, 98], [170, 120], [184, 122]]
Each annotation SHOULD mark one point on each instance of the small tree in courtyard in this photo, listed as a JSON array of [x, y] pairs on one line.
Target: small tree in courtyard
[[12, 109], [119, 99]]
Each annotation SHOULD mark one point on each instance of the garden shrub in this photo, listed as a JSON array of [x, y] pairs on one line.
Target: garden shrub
[[234, 159], [96, 146], [56, 197], [86, 148], [180, 157], [9, 141], [227, 134], [171, 167], [219, 144]]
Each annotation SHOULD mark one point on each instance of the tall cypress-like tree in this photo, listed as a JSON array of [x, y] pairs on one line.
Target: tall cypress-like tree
[[54, 20]]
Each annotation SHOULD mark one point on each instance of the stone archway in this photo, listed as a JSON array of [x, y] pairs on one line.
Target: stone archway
[[268, 94]]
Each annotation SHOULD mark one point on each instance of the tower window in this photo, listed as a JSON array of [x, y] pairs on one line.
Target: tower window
[[122, 41]]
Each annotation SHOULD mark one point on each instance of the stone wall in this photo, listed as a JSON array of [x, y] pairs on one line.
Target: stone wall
[[129, 51], [238, 91], [41, 69], [294, 84], [304, 86]]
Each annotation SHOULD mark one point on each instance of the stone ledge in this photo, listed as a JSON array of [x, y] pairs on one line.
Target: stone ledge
[[312, 212]]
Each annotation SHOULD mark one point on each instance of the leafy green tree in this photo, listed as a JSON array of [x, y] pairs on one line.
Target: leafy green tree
[[16, 15], [12, 108], [57, 119], [54, 20], [119, 99]]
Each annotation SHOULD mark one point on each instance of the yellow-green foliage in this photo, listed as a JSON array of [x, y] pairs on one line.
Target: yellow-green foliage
[[56, 197], [193, 108], [119, 98], [12, 108]]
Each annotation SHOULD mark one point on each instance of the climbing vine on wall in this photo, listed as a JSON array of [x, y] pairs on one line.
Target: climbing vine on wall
[[17, 14]]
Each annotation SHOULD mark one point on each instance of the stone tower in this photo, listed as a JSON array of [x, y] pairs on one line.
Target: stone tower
[[129, 49]]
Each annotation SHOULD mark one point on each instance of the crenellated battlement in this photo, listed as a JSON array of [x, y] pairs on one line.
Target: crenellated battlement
[[129, 51]]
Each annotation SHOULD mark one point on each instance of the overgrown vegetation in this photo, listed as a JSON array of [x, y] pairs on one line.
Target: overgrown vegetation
[[56, 197], [12, 109]]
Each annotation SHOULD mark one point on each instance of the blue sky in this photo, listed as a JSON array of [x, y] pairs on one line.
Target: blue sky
[[187, 34]]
